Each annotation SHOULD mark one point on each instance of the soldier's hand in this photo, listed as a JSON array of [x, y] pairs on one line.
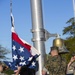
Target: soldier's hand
[[17, 71], [72, 59]]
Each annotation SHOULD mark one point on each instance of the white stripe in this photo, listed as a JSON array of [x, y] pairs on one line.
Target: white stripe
[[12, 29], [33, 50]]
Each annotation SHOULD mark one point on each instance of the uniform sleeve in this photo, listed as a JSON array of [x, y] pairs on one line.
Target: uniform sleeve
[[46, 65]]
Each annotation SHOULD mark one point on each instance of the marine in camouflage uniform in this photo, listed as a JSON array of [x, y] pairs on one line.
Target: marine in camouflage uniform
[[56, 65], [71, 64]]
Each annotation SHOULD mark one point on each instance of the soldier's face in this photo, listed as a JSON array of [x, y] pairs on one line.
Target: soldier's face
[[54, 52], [1, 68]]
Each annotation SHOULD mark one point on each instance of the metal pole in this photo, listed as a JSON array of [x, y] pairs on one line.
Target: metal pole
[[74, 9], [38, 31]]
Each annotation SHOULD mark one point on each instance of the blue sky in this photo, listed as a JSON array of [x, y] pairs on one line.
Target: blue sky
[[55, 15]]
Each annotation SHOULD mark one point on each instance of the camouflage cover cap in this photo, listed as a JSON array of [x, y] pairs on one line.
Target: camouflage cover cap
[[54, 48]]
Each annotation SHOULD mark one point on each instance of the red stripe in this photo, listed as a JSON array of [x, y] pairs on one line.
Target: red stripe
[[17, 39]]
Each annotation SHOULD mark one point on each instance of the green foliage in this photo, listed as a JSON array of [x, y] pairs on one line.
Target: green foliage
[[3, 52], [70, 40], [70, 45], [9, 72], [71, 28]]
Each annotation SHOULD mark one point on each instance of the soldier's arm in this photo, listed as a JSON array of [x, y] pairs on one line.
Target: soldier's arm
[[46, 68], [46, 65], [71, 61]]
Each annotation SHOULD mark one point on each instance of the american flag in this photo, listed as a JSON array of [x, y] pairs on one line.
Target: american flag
[[22, 52]]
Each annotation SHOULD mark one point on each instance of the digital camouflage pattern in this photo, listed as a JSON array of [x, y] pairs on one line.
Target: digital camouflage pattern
[[72, 67], [56, 65], [2, 73]]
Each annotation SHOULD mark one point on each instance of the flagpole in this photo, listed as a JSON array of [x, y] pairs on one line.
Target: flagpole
[[74, 9], [38, 32], [10, 6], [11, 15]]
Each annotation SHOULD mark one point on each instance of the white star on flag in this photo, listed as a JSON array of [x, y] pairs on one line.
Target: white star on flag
[[33, 63], [16, 66], [10, 64], [24, 63], [21, 49], [30, 58], [20, 63], [15, 57], [21, 58], [14, 47]]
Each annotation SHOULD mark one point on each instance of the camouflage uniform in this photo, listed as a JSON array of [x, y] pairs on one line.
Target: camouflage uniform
[[56, 65], [72, 67], [2, 73]]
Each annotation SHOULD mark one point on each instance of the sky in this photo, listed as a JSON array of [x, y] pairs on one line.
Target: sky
[[55, 15]]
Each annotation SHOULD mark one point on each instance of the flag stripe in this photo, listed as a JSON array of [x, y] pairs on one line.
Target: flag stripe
[[17, 39]]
